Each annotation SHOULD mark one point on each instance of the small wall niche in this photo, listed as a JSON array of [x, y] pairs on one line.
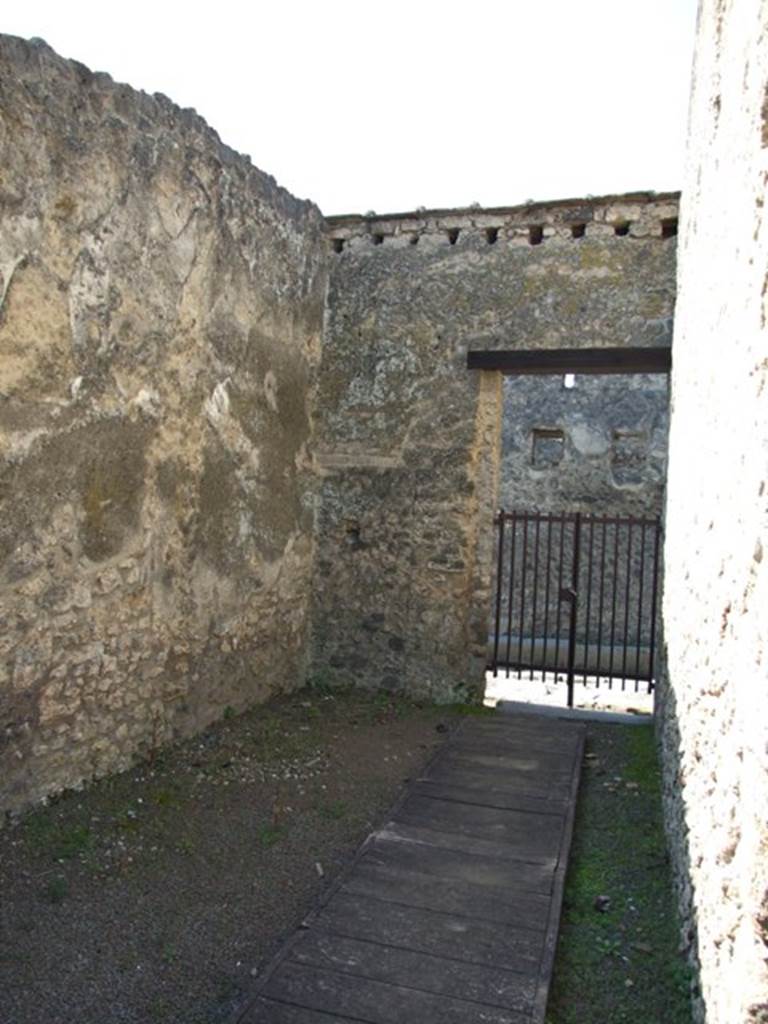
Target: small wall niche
[[352, 536], [578, 230], [337, 244], [377, 239], [536, 234], [621, 228], [491, 235], [669, 227], [453, 236], [547, 447], [629, 455]]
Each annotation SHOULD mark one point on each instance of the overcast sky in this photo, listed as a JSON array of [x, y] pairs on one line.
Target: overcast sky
[[389, 105]]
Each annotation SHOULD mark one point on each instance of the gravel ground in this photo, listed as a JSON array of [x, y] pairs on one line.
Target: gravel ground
[[155, 896]]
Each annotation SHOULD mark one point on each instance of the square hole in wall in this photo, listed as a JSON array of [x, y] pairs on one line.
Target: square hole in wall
[[629, 454], [547, 448]]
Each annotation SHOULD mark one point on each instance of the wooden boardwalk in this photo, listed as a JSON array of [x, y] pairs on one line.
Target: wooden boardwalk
[[450, 912]]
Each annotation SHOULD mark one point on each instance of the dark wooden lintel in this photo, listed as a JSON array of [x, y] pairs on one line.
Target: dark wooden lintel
[[573, 360]]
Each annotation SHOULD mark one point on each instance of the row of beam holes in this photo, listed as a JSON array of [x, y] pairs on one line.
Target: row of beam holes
[[535, 233]]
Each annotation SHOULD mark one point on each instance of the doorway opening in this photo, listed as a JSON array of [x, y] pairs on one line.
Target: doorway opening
[[575, 597]]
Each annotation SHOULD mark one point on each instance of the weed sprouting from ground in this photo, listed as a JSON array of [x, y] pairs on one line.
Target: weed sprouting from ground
[[57, 890], [53, 839], [334, 810], [269, 835]]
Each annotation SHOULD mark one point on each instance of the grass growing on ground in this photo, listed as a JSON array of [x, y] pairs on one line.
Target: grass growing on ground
[[617, 957]]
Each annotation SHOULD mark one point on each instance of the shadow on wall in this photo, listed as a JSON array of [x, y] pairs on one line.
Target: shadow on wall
[[673, 784]]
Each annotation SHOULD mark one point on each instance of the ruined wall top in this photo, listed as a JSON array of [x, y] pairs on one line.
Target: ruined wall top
[[632, 215]]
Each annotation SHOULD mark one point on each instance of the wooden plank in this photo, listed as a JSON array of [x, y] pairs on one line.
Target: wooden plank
[[512, 746], [472, 982], [457, 896], [656, 359], [485, 796], [400, 831], [547, 964], [456, 770], [267, 1011], [551, 731], [460, 865], [361, 999], [450, 912], [424, 931], [529, 740], [537, 836], [534, 766], [453, 773], [512, 760]]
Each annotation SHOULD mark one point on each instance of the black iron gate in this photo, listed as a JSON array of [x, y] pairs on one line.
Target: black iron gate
[[577, 595]]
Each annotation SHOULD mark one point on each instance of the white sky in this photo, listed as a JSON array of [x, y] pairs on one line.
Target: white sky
[[389, 105]]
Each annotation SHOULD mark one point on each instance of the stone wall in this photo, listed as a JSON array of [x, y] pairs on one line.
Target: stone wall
[[715, 733], [599, 446], [409, 441], [160, 328]]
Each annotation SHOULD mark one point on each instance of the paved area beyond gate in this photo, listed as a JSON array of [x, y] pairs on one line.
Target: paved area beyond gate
[[449, 913]]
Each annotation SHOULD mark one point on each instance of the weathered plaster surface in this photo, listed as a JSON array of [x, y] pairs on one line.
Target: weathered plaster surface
[[160, 323], [716, 714], [409, 441]]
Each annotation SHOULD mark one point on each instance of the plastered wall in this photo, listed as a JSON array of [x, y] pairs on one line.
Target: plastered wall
[[161, 305], [715, 735]]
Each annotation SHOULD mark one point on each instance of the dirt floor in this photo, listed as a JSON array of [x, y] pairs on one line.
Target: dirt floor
[[155, 896]]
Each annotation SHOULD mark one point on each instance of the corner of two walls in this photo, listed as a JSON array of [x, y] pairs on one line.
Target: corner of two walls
[[197, 511], [160, 332]]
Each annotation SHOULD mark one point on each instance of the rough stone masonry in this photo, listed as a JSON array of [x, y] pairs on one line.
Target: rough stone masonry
[[240, 445], [408, 442], [161, 309]]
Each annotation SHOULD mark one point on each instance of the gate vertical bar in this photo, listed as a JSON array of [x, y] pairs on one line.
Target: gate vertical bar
[[548, 520], [522, 599], [591, 522], [626, 605], [574, 599], [602, 594], [511, 591], [654, 598], [640, 605], [499, 586], [561, 559], [535, 590], [614, 592]]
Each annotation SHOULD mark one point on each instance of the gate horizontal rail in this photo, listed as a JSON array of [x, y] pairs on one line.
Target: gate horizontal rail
[[577, 594]]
